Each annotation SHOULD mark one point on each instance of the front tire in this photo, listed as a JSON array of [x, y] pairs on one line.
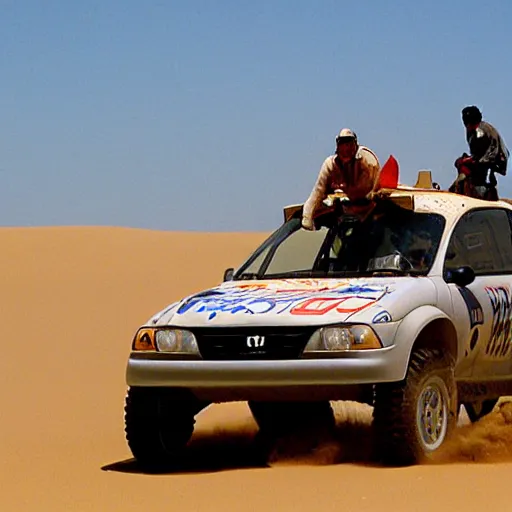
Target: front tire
[[159, 422], [413, 418]]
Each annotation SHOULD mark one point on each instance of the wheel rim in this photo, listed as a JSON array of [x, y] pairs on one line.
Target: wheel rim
[[432, 415]]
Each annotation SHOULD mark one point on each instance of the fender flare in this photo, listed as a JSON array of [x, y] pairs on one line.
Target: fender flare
[[410, 328]]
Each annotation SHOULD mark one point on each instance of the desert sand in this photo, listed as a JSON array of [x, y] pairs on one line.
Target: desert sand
[[71, 300]]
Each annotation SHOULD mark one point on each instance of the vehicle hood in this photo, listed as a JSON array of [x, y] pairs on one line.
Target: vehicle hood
[[300, 302]]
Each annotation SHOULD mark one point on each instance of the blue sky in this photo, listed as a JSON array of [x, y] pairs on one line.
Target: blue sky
[[211, 116]]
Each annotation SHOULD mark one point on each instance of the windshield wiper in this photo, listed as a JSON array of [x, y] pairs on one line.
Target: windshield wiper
[[341, 273], [315, 274], [296, 274], [246, 276], [395, 272]]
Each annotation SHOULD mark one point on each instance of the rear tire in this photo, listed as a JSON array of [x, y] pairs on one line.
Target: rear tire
[[159, 422], [413, 418], [478, 409], [290, 421], [279, 418]]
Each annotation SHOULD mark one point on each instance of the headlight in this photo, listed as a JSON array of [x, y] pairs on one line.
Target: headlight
[[343, 339], [166, 340], [176, 340]]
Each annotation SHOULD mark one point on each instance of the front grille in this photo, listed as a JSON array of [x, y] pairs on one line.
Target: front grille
[[230, 343]]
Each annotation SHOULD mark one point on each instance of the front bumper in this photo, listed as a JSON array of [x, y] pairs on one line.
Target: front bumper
[[364, 367]]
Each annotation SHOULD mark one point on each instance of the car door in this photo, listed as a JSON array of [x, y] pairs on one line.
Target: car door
[[482, 240]]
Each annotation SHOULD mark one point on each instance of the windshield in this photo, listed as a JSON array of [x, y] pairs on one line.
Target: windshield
[[390, 240]]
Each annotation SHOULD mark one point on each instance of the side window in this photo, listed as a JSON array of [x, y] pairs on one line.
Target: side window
[[483, 240]]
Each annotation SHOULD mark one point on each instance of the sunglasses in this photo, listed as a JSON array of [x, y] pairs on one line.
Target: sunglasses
[[344, 140]]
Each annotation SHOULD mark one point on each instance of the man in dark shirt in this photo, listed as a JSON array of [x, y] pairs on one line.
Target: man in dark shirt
[[488, 155]]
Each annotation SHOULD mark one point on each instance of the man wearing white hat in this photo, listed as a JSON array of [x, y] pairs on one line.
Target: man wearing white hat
[[353, 169]]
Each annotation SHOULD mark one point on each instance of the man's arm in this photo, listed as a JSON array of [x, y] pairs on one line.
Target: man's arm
[[317, 194], [374, 171], [368, 176], [493, 147]]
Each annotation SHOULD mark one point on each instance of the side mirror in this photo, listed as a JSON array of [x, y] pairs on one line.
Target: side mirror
[[461, 276], [228, 274]]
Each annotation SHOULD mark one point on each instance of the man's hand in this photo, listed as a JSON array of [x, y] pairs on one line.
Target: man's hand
[[464, 163], [307, 223]]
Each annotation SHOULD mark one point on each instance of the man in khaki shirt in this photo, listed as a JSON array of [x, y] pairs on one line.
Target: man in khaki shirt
[[354, 170]]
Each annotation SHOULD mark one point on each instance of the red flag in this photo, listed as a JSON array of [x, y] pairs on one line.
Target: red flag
[[389, 174]]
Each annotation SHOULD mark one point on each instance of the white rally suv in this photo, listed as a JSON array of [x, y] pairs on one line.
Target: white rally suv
[[408, 310]]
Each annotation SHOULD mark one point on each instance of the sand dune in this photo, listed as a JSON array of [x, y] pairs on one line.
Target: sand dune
[[71, 300]]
